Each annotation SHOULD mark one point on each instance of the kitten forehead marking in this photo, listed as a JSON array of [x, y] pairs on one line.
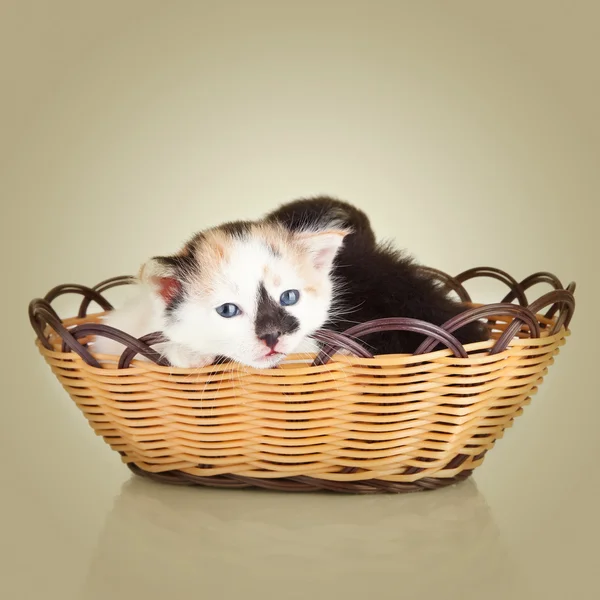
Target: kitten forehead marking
[[233, 250], [272, 318]]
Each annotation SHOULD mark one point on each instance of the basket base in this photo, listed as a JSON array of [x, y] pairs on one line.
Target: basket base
[[302, 483]]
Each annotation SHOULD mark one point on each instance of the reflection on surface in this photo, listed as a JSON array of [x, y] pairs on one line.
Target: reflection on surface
[[162, 541]]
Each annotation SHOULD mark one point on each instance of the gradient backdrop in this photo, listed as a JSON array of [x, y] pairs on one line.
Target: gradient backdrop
[[469, 131]]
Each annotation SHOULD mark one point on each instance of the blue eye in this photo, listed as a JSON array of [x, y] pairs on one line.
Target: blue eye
[[289, 297], [228, 310]]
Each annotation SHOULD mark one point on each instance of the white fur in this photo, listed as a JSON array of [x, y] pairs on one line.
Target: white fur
[[143, 313], [197, 333]]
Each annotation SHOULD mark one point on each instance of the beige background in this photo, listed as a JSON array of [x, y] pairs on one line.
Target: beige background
[[469, 130]]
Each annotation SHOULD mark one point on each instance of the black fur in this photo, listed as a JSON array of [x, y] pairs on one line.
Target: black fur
[[239, 229], [272, 319], [322, 209], [378, 281]]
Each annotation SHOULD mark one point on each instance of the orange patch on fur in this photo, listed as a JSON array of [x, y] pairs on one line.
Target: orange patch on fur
[[213, 246]]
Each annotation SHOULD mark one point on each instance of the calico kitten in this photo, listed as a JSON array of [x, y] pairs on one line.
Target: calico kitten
[[249, 292], [376, 280]]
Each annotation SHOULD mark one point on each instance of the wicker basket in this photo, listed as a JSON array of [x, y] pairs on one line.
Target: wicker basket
[[395, 423]]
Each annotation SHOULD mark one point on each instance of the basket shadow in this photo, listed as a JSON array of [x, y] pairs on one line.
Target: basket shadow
[[165, 541]]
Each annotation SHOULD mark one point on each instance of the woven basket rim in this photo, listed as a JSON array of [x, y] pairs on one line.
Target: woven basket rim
[[294, 368], [560, 300]]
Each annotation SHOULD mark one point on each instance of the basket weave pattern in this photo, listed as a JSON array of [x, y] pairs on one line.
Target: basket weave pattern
[[352, 423]]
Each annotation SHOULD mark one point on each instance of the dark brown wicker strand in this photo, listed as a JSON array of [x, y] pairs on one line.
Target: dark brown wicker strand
[[41, 314], [448, 282], [522, 316], [133, 345], [562, 298], [103, 286], [498, 274], [302, 483], [434, 332]]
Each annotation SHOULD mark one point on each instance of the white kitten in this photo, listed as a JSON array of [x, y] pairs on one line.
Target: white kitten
[[251, 292]]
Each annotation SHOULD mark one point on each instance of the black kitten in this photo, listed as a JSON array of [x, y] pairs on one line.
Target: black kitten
[[377, 280]]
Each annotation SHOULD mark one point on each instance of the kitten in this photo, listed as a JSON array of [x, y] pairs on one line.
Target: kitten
[[376, 280], [251, 292]]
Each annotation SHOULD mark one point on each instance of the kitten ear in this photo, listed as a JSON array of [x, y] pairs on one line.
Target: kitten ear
[[323, 246], [160, 274]]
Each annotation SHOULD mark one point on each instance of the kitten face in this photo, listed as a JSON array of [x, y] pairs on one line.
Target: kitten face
[[253, 294]]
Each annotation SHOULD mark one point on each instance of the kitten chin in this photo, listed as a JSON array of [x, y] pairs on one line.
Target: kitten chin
[[377, 280]]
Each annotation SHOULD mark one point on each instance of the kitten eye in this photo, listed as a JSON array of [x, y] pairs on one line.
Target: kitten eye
[[228, 310], [289, 297]]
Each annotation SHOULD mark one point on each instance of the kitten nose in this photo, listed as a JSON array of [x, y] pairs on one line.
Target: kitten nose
[[271, 339]]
